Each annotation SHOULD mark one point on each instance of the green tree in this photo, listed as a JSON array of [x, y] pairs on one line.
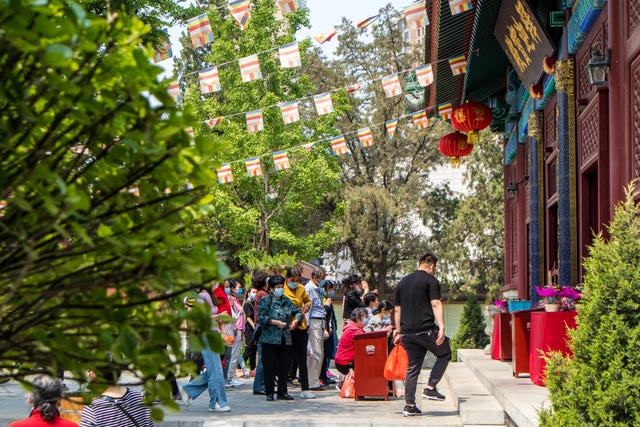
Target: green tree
[[288, 211], [99, 233], [386, 184], [599, 385], [472, 242], [470, 333]]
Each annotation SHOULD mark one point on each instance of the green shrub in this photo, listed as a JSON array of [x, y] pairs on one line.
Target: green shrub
[[470, 334], [600, 385]]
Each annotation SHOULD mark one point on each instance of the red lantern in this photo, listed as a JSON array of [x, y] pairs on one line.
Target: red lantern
[[472, 117], [455, 145]]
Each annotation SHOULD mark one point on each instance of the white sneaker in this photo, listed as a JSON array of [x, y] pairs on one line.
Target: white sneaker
[[307, 395], [236, 383], [186, 400], [219, 408]]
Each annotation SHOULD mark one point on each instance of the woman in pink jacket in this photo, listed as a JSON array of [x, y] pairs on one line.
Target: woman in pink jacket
[[346, 347]]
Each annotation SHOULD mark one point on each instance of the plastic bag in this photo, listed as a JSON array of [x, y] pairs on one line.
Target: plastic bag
[[395, 368], [348, 389]]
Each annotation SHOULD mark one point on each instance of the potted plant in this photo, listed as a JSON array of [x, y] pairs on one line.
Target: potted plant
[[550, 297], [502, 305], [569, 297]]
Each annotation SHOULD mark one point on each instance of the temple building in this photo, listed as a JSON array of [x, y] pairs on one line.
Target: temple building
[[562, 79]]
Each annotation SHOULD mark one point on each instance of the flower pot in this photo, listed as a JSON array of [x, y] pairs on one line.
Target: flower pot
[[551, 307]]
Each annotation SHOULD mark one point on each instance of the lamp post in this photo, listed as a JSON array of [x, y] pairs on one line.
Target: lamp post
[[598, 65]]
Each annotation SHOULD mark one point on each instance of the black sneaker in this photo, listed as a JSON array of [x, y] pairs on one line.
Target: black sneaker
[[432, 394], [258, 393], [270, 398], [285, 397], [411, 411]]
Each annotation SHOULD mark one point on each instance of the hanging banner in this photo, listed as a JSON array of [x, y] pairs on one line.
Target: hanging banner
[[250, 68], [213, 122], [255, 121], [523, 40], [290, 112], [425, 75], [225, 175], [366, 22], [416, 15], [323, 103], [281, 161], [288, 6], [366, 137], [420, 120], [325, 37], [445, 111], [458, 65], [353, 88], [459, 6], [339, 145], [253, 167], [200, 30], [164, 51], [391, 86], [290, 55], [209, 80], [174, 90], [240, 10], [391, 127]]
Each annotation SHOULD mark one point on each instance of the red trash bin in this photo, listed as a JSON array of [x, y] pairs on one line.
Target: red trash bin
[[548, 333], [370, 357], [501, 339]]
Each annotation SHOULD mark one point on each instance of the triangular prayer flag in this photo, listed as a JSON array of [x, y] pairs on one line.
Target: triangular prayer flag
[[225, 175], [164, 51], [281, 160], [420, 120], [425, 75], [200, 30], [288, 6], [174, 90], [255, 122], [416, 15], [366, 22], [445, 111], [209, 80], [290, 112], [391, 126], [366, 137], [213, 122], [323, 103], [134, 190], [250, 68], [325, 37], [308, 146], [240, 11], [459, 6], [289, 55], [253, 166], [339, 145], [391, 85], [458, 65]]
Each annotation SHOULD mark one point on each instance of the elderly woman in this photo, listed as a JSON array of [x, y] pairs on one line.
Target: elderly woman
[[275, 312], [45, 398]]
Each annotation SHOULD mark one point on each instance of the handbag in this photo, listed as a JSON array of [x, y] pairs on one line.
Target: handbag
[[395, 368]]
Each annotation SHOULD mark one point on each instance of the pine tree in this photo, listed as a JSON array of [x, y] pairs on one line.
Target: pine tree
[[600, 385], [471, 331]]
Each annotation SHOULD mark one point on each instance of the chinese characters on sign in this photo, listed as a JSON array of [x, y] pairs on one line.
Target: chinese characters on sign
[[523, 39]]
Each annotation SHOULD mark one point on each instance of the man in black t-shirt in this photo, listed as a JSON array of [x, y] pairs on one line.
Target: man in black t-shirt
[[419, 318]]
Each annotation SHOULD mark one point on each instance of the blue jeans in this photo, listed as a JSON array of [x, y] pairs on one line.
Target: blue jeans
[[211, 379], [258, 381]]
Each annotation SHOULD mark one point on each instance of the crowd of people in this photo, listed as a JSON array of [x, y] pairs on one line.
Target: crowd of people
[[289, 331]]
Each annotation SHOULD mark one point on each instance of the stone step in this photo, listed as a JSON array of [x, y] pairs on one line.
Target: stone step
[[475, 403]]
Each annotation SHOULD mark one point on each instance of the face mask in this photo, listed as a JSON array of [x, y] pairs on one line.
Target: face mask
[[239, 292], [332, 294], [359, 292], [322, 292], [278, 292], [252, 297], [292, 286], [227, 291], [323, 282]]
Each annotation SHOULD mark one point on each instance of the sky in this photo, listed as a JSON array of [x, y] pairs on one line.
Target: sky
[[324, 14]]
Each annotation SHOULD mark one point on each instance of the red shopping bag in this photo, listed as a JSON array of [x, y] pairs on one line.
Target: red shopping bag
[[348, 389], [395, 368]]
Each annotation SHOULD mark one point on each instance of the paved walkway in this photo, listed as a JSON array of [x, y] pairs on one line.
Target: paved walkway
[[253, 411]]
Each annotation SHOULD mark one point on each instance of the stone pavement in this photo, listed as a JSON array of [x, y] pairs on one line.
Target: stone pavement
[[248, 410]]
